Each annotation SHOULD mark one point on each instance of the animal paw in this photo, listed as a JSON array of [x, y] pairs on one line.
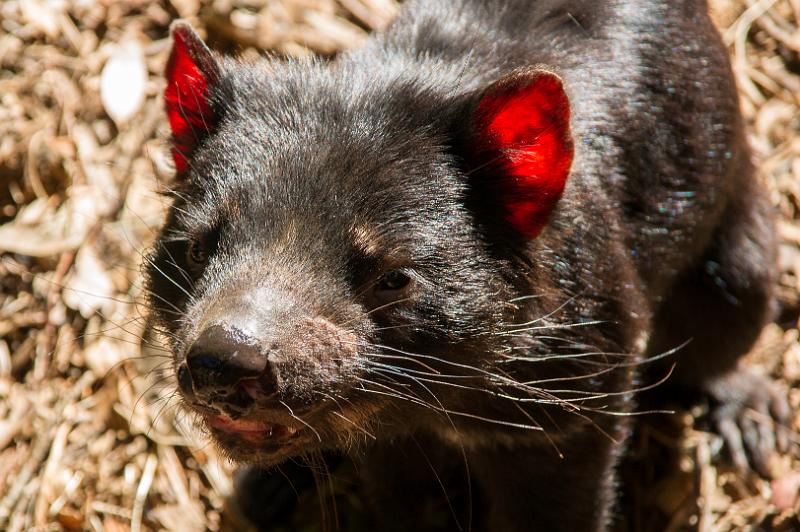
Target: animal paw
[[752, 414]]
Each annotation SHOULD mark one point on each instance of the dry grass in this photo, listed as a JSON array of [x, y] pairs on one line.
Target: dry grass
[[88, 439]]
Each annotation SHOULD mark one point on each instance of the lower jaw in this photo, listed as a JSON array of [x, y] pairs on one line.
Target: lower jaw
[[260, 448], [247, 443]]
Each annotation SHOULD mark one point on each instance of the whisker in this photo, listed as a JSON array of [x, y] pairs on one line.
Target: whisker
[[546, 434], [291, 413], [365, 431], [439, 480], [548, 315], [514, 332]]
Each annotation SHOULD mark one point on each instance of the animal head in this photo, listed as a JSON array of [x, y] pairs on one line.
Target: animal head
[[344, 245]]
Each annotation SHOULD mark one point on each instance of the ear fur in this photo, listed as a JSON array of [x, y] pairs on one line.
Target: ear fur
[[523, 143], [191, 71]]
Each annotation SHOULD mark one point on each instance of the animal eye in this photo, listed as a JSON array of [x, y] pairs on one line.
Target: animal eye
[[393, 280], [199, 250]]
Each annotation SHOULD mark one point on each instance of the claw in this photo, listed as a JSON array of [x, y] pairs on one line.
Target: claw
[[752, 415], [733, 440]]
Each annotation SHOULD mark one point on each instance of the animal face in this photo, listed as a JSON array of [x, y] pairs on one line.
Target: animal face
[[329, 263]]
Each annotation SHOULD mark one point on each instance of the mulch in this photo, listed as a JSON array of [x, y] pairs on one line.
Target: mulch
[[90, 434]]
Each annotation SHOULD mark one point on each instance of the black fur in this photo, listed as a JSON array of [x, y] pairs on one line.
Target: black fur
[[662, 237]]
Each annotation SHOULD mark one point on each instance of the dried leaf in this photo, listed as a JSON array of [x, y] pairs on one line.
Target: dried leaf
[[90, 287], [122, 83]]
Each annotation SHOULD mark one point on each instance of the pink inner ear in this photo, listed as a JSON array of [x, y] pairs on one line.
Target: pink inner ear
[[525, 125], [186, 101]]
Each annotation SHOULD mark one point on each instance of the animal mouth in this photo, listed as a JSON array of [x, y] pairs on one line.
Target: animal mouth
[[251, 430]]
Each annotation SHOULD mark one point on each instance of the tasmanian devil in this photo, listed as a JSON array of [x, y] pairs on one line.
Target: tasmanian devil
[[473, 240]]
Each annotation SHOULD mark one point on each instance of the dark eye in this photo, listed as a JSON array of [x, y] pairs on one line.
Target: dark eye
[[392, 281], [199, 250]]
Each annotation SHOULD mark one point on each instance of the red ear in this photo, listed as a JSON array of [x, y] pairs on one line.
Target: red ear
[[191, 68], [522, 124]]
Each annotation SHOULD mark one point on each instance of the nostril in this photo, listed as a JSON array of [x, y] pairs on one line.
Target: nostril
[[204, 369], [205, 361], [223, 359]]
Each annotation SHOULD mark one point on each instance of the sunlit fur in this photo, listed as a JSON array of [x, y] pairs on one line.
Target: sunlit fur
[[518, 348]]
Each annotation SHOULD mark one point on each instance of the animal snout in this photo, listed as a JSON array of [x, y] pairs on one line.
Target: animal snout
[[226, 369]]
